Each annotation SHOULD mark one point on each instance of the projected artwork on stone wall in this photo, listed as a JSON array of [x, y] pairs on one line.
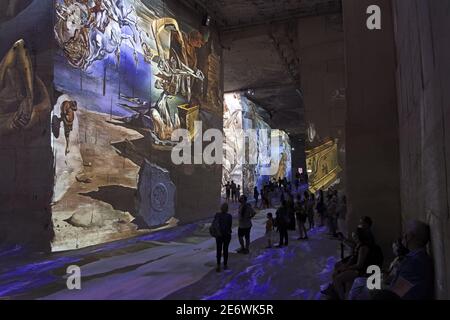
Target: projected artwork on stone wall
[[26, 163], [247, 134], [284, 168], [258, 144], [322, 165], [129, 74], [234, 140]]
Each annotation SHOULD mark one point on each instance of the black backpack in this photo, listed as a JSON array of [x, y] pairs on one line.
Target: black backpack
[[214, 230]]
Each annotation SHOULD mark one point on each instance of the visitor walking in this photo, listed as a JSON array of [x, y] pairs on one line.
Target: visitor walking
[[233, 191], [227, 190]]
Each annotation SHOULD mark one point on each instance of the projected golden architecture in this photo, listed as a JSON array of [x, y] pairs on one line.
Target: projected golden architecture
[[322, 165]]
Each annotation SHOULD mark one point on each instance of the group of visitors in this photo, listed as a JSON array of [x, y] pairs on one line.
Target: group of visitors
[[409, 276], [291, 215], [232, 191], [329, 207], [269, 190]]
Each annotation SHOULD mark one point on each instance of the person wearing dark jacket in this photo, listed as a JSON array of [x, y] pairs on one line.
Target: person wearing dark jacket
[[246, 213], [290, 206], [282, 223], [225, 222], [256, 195]]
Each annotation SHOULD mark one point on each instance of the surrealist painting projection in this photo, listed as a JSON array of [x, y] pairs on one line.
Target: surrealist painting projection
[[257, 146], [281, 155], [234, 140], [322, 165], [129, 73], [26, 159], [247, 146]]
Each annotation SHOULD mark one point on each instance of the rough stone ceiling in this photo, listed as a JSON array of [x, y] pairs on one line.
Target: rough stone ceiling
[[260, 51], [254, 64], [236, 14]]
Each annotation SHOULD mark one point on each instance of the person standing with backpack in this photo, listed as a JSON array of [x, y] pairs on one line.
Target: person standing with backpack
[[221, 230]]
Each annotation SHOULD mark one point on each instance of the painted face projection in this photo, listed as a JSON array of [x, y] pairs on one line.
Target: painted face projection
[[130, 73]]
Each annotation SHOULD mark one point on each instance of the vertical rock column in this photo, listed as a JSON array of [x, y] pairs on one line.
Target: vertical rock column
[[372, 138]]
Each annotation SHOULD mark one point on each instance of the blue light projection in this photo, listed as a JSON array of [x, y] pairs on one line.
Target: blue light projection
[[25, 278]]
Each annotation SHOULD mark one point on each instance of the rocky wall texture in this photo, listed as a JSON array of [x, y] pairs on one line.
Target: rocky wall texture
[[423, 78], [372, 141]]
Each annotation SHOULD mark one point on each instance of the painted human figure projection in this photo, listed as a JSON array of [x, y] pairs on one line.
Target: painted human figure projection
[[23, 96], [68, 109], [177, 70], [98, 16]]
